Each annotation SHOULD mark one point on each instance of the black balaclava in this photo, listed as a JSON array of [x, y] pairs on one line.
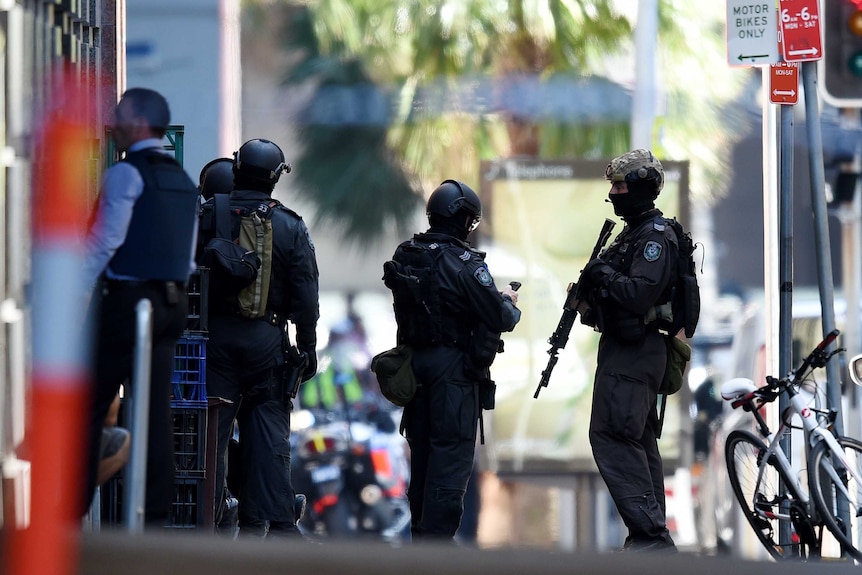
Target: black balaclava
[[639, 199]]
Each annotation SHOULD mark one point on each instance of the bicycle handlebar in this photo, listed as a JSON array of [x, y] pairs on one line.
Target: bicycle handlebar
[[770, 392], [818, 357]]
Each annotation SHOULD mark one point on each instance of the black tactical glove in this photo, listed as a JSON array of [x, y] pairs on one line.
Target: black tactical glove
[[596, 271], [311, 366], [306, 342]]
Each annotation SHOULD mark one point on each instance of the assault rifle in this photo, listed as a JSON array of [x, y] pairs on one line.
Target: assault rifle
[[570, 312]]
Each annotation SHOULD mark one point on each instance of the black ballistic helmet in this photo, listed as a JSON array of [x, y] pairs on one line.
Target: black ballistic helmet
[[259, 160], [453, 200], [216, 178]]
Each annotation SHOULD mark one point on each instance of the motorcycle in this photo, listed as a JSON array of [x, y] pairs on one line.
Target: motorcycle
[[353, 472]]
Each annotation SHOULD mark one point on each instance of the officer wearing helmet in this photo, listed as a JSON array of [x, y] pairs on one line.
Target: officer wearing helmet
[[450, 312], [216, 178], [245, 359], [626, 284]]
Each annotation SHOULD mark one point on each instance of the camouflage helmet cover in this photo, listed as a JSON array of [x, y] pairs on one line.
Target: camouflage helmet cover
[[636, 165]]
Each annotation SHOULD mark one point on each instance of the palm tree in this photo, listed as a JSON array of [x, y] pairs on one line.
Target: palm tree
[[432, 66]]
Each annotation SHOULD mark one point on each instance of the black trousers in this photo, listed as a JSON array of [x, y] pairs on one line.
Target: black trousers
[[115, 326], [623, 432], [440, 425], [244, 364]]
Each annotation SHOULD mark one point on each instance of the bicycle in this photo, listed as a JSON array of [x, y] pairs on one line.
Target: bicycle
[[758, 469]]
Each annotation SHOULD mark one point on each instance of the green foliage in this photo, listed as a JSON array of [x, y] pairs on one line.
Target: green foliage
[[410, 48]]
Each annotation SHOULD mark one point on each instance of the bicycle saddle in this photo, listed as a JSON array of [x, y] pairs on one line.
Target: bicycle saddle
[[736, 388]]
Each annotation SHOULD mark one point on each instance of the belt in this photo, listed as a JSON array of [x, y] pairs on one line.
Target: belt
[[145, 283], [275, 318]]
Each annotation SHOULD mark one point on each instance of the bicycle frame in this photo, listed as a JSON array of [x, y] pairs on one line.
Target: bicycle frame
[[774, 449], [793, 500], [815, 431]]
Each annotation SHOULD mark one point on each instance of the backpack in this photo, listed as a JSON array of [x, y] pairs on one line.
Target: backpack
[[412, 277], [241, 268], [685, 293]]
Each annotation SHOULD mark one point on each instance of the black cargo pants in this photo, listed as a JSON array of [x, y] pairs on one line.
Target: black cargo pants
[[440, 426], [623, 433]]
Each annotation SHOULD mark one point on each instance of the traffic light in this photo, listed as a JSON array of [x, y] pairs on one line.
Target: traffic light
[[841, 66]]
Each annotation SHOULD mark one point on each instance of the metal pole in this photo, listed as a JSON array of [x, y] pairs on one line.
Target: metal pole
[[134, 494], [643, 100], [821, 244], [821, 231], [785, 276], [770, 229]]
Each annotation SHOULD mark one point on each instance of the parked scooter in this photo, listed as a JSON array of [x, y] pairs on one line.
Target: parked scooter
[[353, 473]]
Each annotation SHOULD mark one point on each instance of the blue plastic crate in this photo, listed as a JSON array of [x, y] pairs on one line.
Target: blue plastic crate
[[190, 441], [189, 376]]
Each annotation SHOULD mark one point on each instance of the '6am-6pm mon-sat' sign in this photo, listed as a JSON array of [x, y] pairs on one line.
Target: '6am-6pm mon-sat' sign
[[784, 83], [800, 30], [752, 33]]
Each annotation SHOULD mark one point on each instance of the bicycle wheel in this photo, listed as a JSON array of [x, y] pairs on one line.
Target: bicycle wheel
[[830, 480], [758, 495]]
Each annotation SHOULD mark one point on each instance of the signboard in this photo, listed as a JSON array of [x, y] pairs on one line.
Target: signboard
[[800, 30], [540, 220], [784, 83], [752, 33]]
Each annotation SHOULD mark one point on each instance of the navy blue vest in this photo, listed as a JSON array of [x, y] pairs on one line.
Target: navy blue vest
[[158, 244]]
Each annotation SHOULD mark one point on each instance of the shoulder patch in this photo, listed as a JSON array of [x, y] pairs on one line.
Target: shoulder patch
[[465, 256], [658, 226], [482, 276], [652, 251]]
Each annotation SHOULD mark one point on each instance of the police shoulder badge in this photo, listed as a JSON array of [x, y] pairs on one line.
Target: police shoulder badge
[[482, 276], [652, 251]]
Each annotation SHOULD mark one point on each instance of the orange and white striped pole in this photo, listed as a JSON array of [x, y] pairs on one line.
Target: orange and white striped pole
[[54, 440]]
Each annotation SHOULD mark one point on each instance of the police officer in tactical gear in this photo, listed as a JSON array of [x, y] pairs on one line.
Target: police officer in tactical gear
[[625, 284], [244, 356], [216, 178], [140, 247], [447, 309]]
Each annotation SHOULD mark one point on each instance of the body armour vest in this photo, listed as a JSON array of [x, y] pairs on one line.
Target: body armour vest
[[413, 276], [159, 241]]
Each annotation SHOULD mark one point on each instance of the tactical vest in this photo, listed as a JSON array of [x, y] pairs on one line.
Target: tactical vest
[[159, 240], [413, 277]]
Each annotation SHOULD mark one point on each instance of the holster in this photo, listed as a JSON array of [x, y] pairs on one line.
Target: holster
[[295, 363], [487, 394]]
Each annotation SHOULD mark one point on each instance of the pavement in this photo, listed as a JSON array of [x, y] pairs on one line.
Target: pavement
[[110, 553]]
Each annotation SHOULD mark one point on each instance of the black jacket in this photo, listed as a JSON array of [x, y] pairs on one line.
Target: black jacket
[[294, 286]]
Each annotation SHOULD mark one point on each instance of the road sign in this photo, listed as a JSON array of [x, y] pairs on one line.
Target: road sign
[[752, 33], [800, 30], [784, 83]]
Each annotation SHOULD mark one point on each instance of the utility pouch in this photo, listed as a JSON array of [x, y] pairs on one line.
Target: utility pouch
[[487, 394], [394, 371], [691, 301], [232, 266], [483, 347], [629, 328], [678, 356]]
